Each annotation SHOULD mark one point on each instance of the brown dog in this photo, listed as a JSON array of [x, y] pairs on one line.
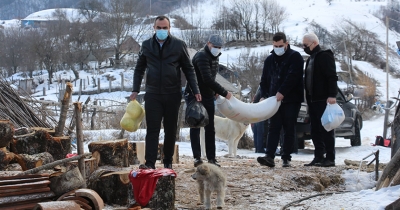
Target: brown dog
[[210, 179]]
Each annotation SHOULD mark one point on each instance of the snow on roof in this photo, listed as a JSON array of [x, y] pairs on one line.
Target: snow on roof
[[73, 15]]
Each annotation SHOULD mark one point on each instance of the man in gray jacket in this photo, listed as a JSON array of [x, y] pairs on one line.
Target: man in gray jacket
[[162, 57]]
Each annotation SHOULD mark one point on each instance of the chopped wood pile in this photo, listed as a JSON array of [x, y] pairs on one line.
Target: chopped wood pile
[[13, 108], [24, 192]]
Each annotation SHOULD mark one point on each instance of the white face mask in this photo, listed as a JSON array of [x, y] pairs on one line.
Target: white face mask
[[215, 51], [279, 50]]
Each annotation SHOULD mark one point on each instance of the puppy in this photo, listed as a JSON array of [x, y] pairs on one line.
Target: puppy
[[228, 130], [210, 179]]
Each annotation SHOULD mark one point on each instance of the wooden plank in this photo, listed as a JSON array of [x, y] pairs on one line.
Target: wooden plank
[[18, 181], [24, 176], [38, 184], [25, 192]]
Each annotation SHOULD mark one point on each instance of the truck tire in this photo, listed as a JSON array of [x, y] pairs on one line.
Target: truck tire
[[356, 139]]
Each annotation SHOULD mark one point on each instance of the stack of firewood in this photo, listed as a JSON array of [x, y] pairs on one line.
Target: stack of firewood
[[24, 192]]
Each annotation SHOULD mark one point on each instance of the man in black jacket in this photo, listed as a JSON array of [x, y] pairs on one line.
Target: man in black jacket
[[206, 65], [162, 57], [282, 77], [321, 88]]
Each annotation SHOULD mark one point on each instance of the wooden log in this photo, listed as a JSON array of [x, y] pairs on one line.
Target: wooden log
[[67, 181], [393, 206], [112, 185], [5, 158], [164, 194], [90, 166], [79, 136], [112, 153], [6, 133], [6, 201], [53, 164], [32, 161], [95, 200], [57, 205], [175, 157], [64, 110], [41, 141], [136, 151], [390, 172]]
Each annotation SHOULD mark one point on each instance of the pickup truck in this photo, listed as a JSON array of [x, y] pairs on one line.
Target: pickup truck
[[349, 129]]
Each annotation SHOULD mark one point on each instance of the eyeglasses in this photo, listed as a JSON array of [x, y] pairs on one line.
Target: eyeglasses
[[305, 46]]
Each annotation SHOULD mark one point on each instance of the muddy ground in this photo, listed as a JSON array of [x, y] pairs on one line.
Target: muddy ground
[[251, 186]]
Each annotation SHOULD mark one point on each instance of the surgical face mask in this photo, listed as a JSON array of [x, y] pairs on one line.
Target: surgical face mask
[[279, 50], [215, 51], [307, 50], [162, 34]]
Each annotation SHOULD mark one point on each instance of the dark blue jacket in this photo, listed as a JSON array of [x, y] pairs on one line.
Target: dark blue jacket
[[283, 74]]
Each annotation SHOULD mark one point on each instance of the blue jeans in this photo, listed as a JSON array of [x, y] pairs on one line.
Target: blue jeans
[[258, 134]]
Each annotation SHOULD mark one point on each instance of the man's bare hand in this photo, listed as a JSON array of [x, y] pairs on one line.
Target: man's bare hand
[[331, 100], [198, 97], [279, 96], [229, 95], [133, 96]]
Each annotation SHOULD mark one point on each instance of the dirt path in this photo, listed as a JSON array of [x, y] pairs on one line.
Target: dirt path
[[251, 186]]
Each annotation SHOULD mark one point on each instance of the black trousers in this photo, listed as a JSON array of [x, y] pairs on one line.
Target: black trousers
[[208, 102], [324, 141], [165, 108], [285, 118]]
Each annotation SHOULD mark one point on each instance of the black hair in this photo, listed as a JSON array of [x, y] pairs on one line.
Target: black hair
[[279, 36], [162, 17]]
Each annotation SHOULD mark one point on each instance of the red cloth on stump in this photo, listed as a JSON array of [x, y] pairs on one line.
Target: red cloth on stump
[[144, 182]]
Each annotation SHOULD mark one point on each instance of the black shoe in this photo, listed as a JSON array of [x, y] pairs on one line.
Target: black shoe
[[286, 163], [168, 165], [266, 161], [213, 161], [327, 163], [146, 166], [315, 162], [197, 162]]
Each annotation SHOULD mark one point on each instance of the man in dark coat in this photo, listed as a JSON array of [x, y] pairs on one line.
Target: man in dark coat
[[282, 77], [162, 57], [206, 64], [321, 88]]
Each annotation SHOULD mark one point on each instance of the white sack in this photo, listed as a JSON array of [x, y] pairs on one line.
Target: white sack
[[239, 111], [333, 116]]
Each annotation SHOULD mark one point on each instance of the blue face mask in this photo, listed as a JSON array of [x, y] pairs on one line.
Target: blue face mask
[[162, 34], [279, 50]]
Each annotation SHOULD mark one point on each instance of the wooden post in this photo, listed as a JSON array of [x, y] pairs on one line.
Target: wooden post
[[80, 87], [79, 137], [98, 85], [122, 82], [93, 115], [44, 91], [43, 112], [84, 84], [109, 85], [178, 128], [64, 110]]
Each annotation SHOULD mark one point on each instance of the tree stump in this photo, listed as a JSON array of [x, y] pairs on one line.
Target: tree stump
[[41, 141], [90, 166], [136, 151], [175, 157], [112, 153], [32, 161], [6, 133], [64, 182], [164, 194], [113, 185]]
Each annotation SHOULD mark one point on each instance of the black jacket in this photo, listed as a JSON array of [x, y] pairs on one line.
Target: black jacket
[[206, 66], [163, 66], [283, 74], [323, 78]]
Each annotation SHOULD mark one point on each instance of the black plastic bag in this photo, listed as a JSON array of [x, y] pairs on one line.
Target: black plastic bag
[[196, 115]]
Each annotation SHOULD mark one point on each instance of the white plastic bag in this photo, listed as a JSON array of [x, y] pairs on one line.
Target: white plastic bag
[[333, 116], [239, 111]]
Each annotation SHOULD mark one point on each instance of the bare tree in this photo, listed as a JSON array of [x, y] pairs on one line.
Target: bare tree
[[249, 68], [228, 20], [90, 8], [245, 9], [12, 49], [264, 6], [120, 22], [277, 15]]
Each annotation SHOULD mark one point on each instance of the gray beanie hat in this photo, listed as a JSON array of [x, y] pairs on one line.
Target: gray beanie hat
[[216, 40]]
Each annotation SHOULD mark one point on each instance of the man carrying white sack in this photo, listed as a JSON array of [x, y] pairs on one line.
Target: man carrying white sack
[[282, 77]]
